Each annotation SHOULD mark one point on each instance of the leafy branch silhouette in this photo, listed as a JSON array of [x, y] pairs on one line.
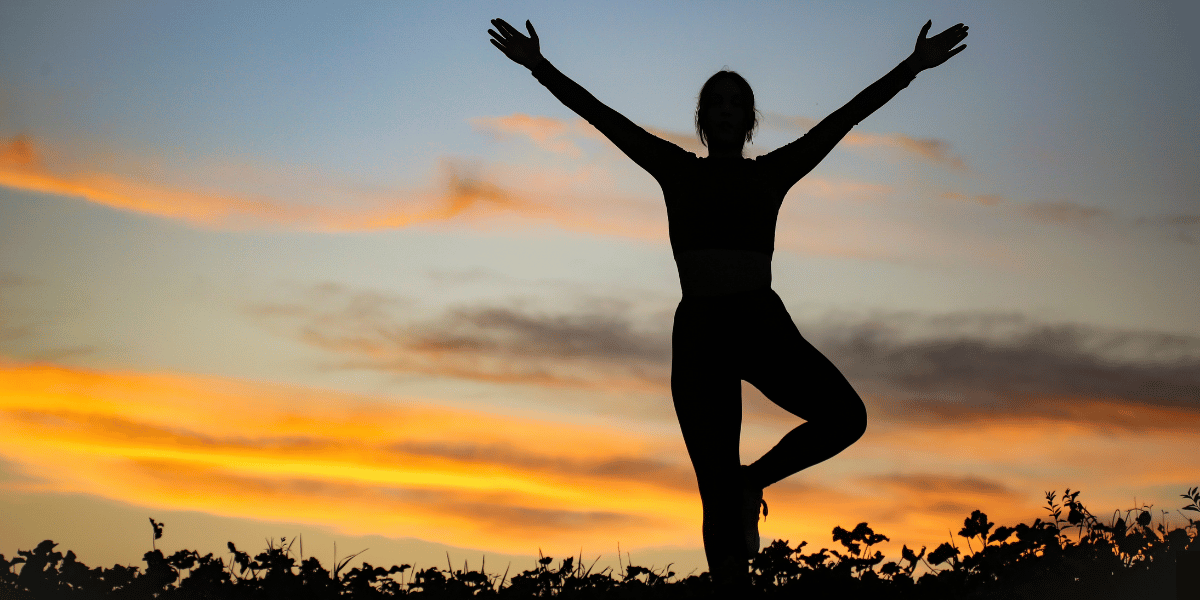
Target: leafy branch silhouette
[[1125, 558]]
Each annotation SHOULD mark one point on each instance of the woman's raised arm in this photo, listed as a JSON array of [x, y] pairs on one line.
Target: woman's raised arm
[[793, 161], [650, 152]]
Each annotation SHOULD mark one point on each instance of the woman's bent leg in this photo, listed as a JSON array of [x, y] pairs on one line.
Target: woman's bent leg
[[793, 374]]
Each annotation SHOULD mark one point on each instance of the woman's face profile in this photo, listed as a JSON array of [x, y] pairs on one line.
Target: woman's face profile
[[726, 114]]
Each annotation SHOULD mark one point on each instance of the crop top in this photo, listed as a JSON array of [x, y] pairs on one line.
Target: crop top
[[724, 202]]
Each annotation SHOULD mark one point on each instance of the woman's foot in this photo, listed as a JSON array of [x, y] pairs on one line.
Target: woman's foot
[[752, 499]]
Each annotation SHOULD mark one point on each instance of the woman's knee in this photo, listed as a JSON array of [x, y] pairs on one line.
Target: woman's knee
[[856, 420]]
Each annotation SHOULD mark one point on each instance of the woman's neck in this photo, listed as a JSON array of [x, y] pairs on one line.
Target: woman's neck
[[719, 150]]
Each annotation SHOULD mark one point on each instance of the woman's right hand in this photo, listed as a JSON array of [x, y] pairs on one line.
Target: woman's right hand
[[522, 50], [931, 52]]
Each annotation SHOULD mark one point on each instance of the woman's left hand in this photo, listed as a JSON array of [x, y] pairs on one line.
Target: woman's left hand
[[931, 52]]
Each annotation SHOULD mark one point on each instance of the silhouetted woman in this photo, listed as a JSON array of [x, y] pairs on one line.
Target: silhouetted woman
[[730, 325]]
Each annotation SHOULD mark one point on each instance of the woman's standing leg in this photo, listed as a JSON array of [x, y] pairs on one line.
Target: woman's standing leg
[[793, 374], [707, 395]]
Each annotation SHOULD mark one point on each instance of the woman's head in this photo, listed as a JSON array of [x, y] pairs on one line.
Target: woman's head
[[725, 111]]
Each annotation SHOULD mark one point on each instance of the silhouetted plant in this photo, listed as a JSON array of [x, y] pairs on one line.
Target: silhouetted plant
[[1126, 558], [158, 528]]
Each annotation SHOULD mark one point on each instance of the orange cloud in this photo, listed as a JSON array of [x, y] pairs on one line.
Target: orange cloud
[[560, 135], [468, 199], [841, 189], [554, 135], [928, 149], [932, 150], [407, 467], [465, 197], [363, 465], [19, 153]]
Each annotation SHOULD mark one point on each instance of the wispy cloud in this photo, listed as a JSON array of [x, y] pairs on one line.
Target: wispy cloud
[[496, 344], [468, 197], [984, 199], [930, 150], [1183, 227], [980, 367], [465, 197], [919, 496], [647, 471], [9, 329], [549, 133], [1069, 214], [1064, 212], [563, 136], [961, 367], [937, 485]]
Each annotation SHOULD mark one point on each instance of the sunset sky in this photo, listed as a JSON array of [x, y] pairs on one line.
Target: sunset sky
[[344, 270]]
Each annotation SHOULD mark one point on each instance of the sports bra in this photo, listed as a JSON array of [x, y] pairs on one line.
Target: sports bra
[[722, 203]]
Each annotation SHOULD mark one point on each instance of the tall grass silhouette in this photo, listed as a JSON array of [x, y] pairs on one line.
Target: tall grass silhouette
[[1128, 557]]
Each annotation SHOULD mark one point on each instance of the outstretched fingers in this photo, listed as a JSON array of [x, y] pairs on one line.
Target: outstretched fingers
[[946, 41], [953, 40], [499, 25], [505, 37], [509, 30], [951, 36], [933, 51], [499, 42]]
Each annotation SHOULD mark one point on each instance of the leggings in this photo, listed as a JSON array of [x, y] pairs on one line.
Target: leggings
[[717, 342]]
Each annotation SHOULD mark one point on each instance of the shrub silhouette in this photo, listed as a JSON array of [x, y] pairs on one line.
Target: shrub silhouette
[[1127, 558]]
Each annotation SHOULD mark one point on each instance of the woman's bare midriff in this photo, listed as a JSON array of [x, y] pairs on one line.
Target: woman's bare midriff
[[718, 271]]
